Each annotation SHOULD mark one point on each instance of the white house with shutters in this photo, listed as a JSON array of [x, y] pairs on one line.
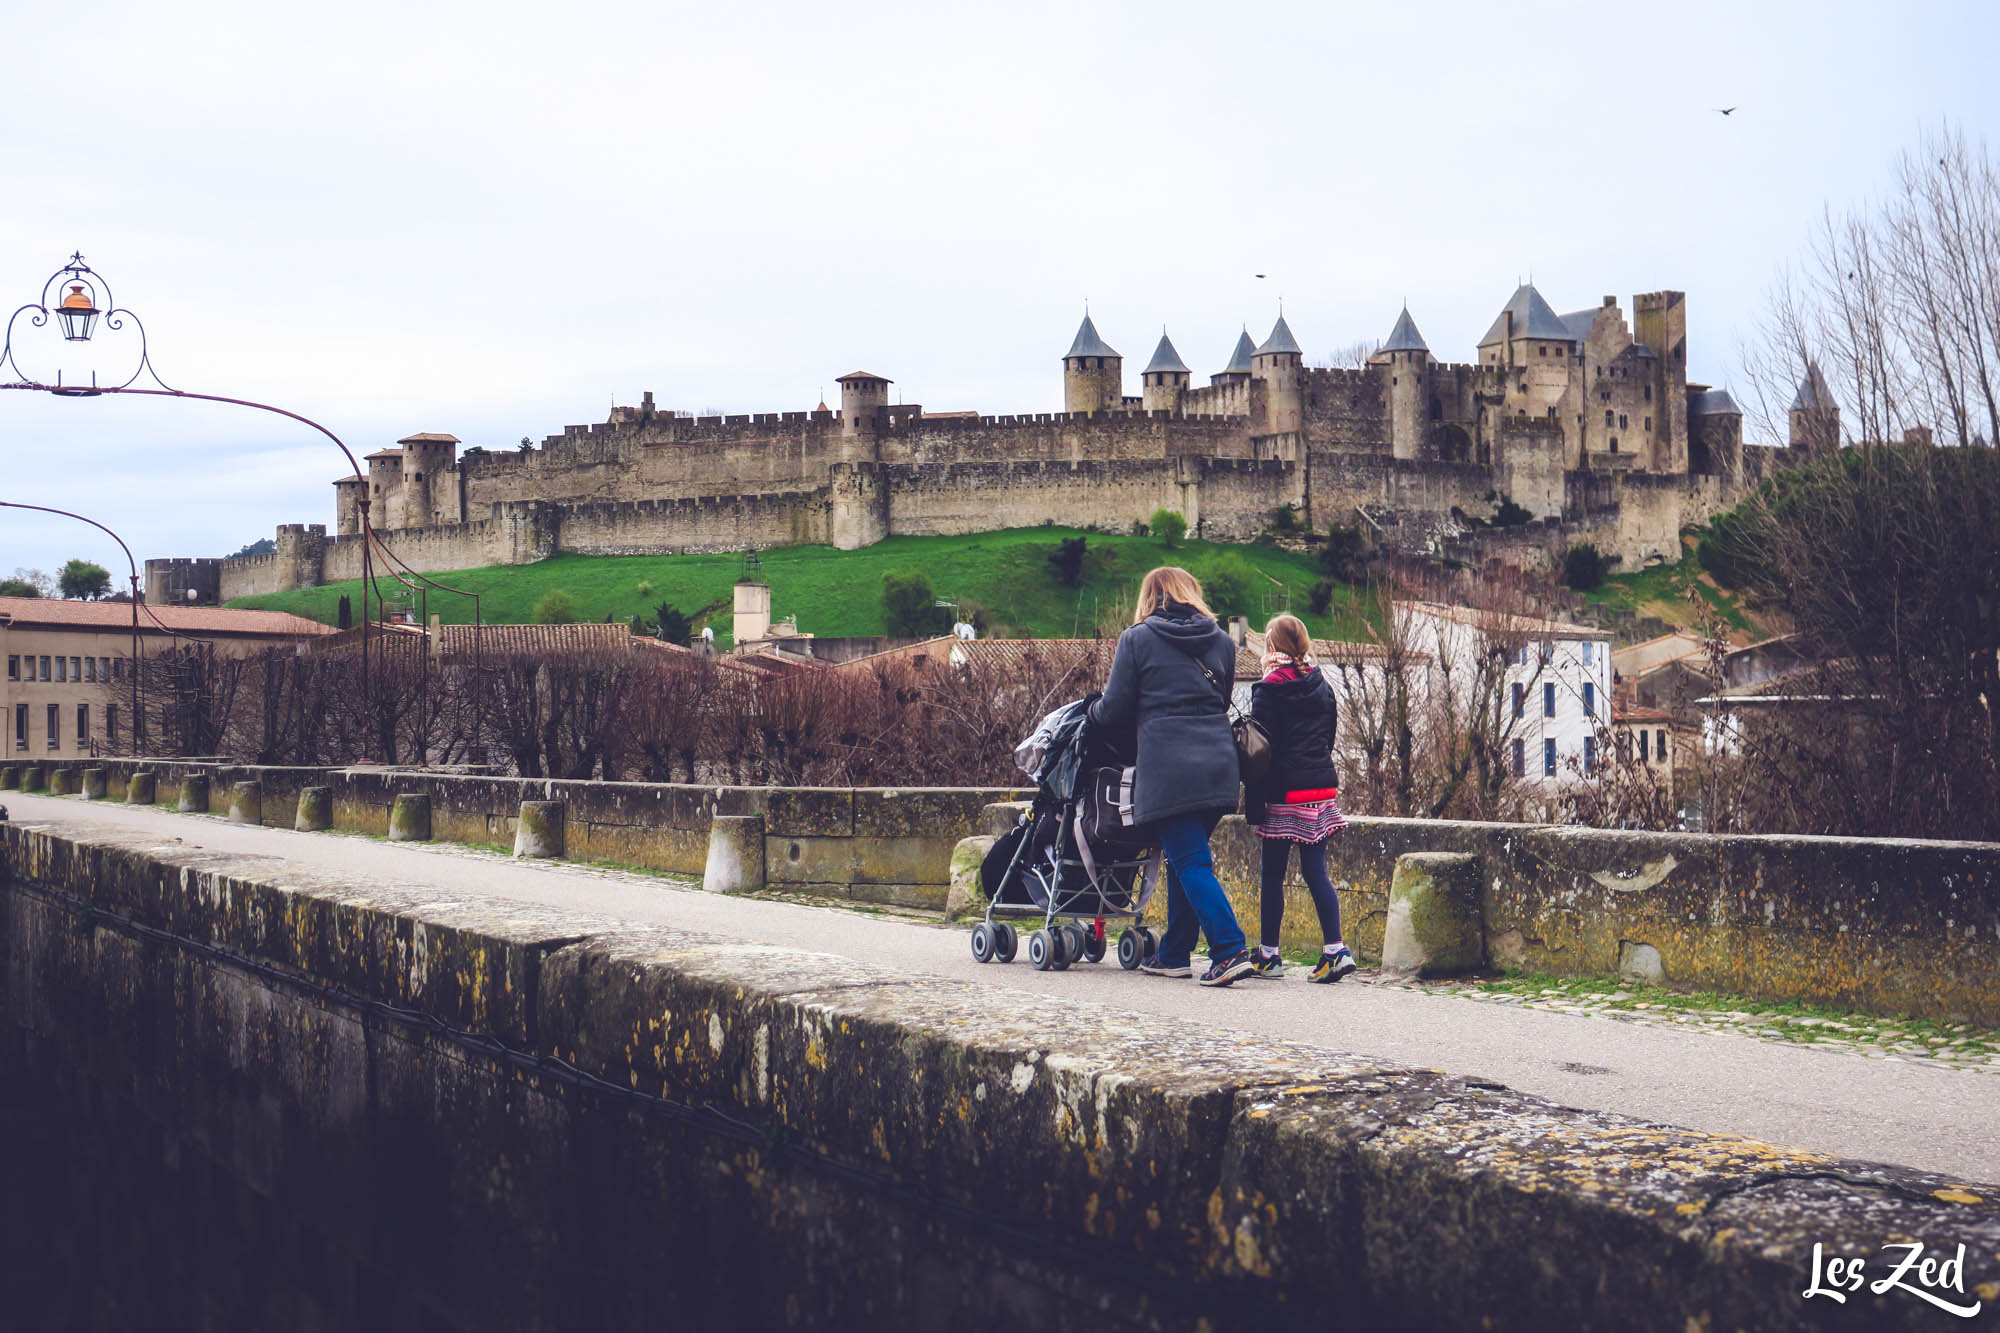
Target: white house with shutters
[[1556, 692]]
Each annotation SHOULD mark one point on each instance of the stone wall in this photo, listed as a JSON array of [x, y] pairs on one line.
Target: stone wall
[[323, 1101]]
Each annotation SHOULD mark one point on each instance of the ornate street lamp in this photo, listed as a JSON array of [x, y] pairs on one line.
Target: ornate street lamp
[[76, 314]]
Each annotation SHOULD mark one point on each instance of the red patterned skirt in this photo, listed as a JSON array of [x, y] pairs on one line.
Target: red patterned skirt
[[1307, 821]]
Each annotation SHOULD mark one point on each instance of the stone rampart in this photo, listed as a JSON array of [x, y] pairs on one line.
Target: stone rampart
[[376, 1110]]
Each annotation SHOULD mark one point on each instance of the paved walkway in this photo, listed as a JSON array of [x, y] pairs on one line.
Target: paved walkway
[[1913, 1114]]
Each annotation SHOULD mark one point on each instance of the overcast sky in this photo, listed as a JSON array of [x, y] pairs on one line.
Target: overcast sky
[[496, 219]]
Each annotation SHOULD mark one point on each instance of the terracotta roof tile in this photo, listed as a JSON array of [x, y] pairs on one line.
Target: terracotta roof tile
[[52, 612]]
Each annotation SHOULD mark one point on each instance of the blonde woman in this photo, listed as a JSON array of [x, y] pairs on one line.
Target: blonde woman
[[1170, 682], [1295, 804]]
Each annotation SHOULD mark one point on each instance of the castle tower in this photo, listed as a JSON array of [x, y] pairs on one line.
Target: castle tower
[[429, 493], [1280, 364], [1409, 361], [1715, 433], [1815, 416], [1238, 369], [863, 400], [1659, 320], [1093, 374], [1166, 378]]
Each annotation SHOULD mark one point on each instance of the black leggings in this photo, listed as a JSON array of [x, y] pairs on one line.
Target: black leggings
[[1312, 865]]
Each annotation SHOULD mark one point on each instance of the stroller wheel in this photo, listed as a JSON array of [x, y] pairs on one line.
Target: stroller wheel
[[1093, 946], [1065, 947], [1005, 941], [1131, 949], [1073, 942], [1044, 948], [1152, 939], [982, 943]]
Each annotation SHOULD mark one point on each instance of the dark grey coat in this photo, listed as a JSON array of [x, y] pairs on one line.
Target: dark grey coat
[[1187, 754]]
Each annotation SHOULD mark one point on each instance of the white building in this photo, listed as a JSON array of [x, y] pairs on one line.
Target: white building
[[1554, 695]]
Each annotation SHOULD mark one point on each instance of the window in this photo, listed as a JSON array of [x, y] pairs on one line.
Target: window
[[1623, 421], [90, 670], [1543, 349], [1520, 757], [76, 668], [20, 726], [1588, 646], [1642, 746], [1660, 742], [13, 666], [62, 670], [111, 724], [45, 669], [1549, 700], [1649, 423], [1590, 754], [1609, 417], [82, 723], [1614, 444], [1520, 701], [1649, 393], [1589, 699], [104, 669], [1548, 759], [55, 727]]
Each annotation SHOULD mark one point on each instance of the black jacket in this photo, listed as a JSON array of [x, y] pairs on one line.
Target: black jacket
[[1187, 755], [1300, 716]]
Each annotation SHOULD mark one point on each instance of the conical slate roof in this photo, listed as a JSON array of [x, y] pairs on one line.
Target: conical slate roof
[[1165, 358], [1404, 337], [1281, 339], [1713, 403], [1088, 343], [1239, 360], [1533, 318], [1812, 395]]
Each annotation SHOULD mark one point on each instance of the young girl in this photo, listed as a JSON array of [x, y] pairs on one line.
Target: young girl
[[1294, 804]]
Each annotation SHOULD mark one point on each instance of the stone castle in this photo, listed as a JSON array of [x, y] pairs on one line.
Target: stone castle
[[1586, 421]]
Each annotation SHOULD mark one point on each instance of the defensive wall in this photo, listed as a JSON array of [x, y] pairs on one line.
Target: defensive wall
[[303, 1100], [1885, 925]]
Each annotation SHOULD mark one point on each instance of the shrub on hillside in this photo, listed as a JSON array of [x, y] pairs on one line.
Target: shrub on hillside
[[1068, 560], [1510, 515], [1345, 554], [1285, 518], [1231, 587], [672, 625], [909, 607], [1583, 567], [556, 607], [1321, 600], [1168, 526]]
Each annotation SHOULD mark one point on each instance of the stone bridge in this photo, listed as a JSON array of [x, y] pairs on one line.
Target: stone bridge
[[264, 1078]]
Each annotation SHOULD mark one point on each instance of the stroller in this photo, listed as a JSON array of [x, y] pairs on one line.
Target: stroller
[[1075, 860]]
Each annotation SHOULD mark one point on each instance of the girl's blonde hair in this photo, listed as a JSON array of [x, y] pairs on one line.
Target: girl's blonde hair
[[1287, 635], [1168, 583]]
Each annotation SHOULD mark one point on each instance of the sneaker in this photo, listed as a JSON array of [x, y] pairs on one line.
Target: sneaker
[[1331, 967], [1222, 971], [1153, 967], [1267, 963]]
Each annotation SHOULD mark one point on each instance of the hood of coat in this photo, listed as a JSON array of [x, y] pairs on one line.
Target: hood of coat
[[1184, 627], [1291, 683]]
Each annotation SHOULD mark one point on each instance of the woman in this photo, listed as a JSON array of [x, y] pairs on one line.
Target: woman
[[1295, 804], [1170, 682]]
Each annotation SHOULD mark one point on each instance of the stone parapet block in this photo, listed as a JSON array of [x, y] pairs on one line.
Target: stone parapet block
[[315, 810], [194, 794], [735, 855], [538, 830], [10, 777], [1435, 928], [410, 817], [246, 803], [62, 781], [140, 788], [93, 786]]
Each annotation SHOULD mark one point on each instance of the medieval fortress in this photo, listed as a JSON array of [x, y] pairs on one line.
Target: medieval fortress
[[1586, 420]]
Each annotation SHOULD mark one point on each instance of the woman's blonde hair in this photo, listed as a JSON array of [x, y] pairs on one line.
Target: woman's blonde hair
[[1287, 635], [1168, 583]]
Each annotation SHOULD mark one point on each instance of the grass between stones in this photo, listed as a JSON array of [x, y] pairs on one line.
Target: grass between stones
[[1779, 1020]]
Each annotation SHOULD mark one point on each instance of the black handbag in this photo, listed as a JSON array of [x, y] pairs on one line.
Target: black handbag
[[1253, 743]]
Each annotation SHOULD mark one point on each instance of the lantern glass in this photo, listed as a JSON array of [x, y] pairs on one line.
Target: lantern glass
[[77, 314]]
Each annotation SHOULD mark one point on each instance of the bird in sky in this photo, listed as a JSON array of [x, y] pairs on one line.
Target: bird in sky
[[1724, 110], [1260, 275]]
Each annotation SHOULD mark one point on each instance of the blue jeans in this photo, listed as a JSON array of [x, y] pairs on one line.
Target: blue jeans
[[1194, 895]]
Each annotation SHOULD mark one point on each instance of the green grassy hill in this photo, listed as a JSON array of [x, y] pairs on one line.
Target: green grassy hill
[[838, 593]]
